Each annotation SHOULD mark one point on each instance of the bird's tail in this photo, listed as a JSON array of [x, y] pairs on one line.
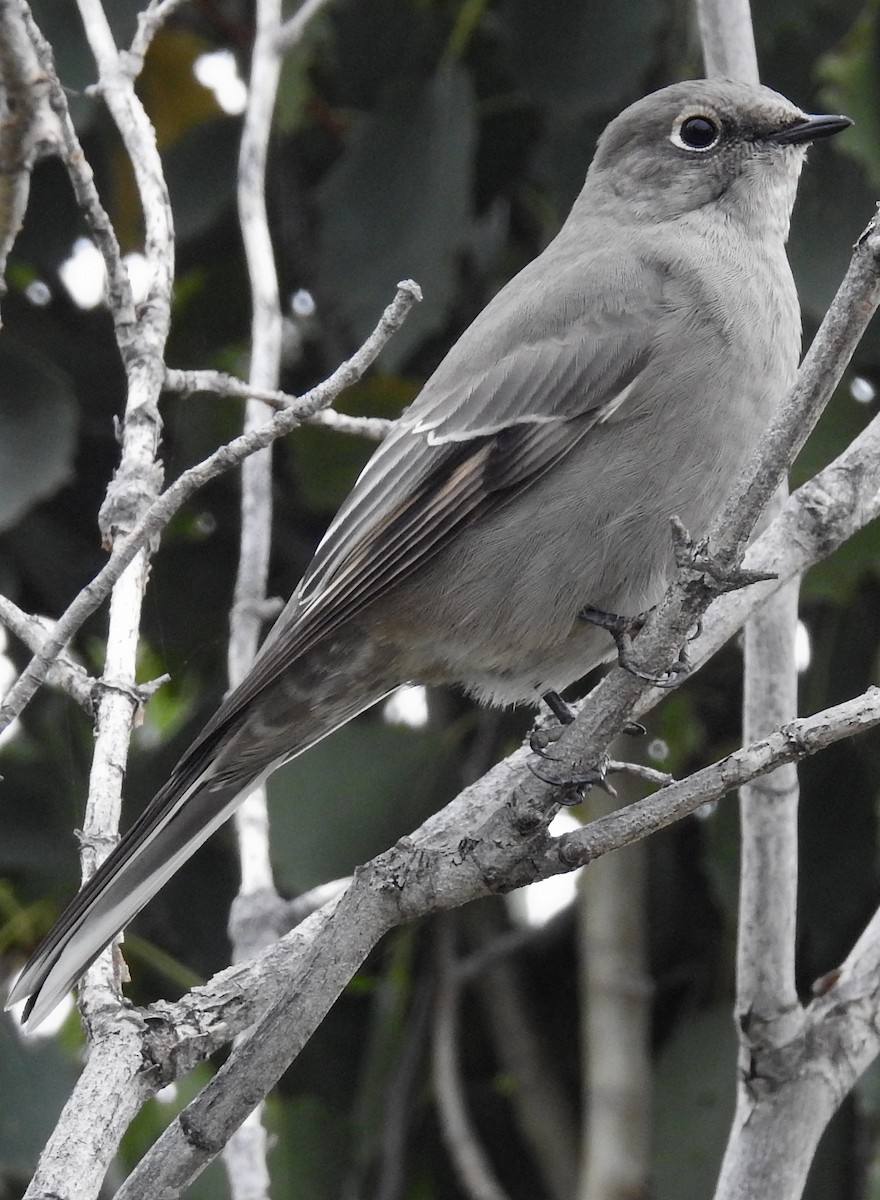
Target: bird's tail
[[225, 763], [129, 877]]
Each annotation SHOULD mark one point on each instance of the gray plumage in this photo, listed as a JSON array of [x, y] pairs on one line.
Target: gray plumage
[[621, 378]]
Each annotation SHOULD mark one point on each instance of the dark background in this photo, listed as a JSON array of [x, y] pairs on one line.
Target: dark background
[[445, 141]]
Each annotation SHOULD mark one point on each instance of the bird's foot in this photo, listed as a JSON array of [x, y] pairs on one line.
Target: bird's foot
[[623, 630], [573, 788]]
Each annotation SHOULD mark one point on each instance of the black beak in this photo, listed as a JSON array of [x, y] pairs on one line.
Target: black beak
[[809, 129]]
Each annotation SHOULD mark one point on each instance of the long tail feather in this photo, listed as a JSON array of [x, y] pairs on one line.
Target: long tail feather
[[129, 877], [239, 748]]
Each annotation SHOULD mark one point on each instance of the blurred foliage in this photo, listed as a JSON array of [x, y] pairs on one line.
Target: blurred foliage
[[443, 140]]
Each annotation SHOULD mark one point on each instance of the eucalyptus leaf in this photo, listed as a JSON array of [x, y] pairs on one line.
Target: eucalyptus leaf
[[850, 74], [694, 1097], [349, 797], [35, 1081], [38, 420], [576, 57], [398, 205]]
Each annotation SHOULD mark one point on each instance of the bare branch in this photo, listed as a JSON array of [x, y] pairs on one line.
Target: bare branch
[[138, 477], [472, 1166], [218, 383], [795, 741], [620, 696], [28, 126], [728, 40], [257, 901], [119, 295], [818, 518], [163, 509], [65, 673], [109, 1092], [615, 997], [482, 842], [149, 22], [821, 371], [541, 1103], [292, 30], [766, 991]]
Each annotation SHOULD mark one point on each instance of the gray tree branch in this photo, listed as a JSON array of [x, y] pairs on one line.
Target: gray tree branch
[[492, 837]]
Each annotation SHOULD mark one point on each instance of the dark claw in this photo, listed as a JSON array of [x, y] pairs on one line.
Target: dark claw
[[574, 789], [678, 671], [622, 630], [635, 729], [539, 740]]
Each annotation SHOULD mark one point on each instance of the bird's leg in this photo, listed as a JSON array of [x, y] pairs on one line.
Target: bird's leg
[[540, 737], [558, 707], [623, 629]]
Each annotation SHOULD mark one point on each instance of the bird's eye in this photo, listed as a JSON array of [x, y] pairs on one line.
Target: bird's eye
[[697, 132]]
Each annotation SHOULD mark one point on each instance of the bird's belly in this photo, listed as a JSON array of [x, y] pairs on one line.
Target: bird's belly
[[498, 610]]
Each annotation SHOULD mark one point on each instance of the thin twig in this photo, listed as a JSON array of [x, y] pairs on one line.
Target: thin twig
[[163, 509], [28, 126], [106, 1098], [399, 1107], [818, 518], [541, 1104], [728, 40], [619, 696], [795, 741], [615, 1006], [119, 295], [65, 673], [149, 22], [292, 30], [218, 383], [471, 1163], [257, 900]]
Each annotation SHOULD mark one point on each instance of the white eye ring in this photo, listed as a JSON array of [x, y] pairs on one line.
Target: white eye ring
[[696, 132]]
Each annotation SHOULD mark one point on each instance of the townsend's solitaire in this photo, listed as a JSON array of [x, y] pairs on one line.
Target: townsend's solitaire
[[621, 378]]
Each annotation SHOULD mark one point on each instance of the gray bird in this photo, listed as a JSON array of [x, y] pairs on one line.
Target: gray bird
[[621, 378]]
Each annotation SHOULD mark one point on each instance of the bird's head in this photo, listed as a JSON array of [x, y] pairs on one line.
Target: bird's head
[[707, 142]]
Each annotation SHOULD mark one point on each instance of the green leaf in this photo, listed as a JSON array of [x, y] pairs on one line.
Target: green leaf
[[38, 419], [694, 1104], [579, 56], [398, 205], [349, 797], [309, 1148], [201, 168], [36, 1079], [852, 87]]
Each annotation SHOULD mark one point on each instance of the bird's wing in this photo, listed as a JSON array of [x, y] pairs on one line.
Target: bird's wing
[[518, 391]]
